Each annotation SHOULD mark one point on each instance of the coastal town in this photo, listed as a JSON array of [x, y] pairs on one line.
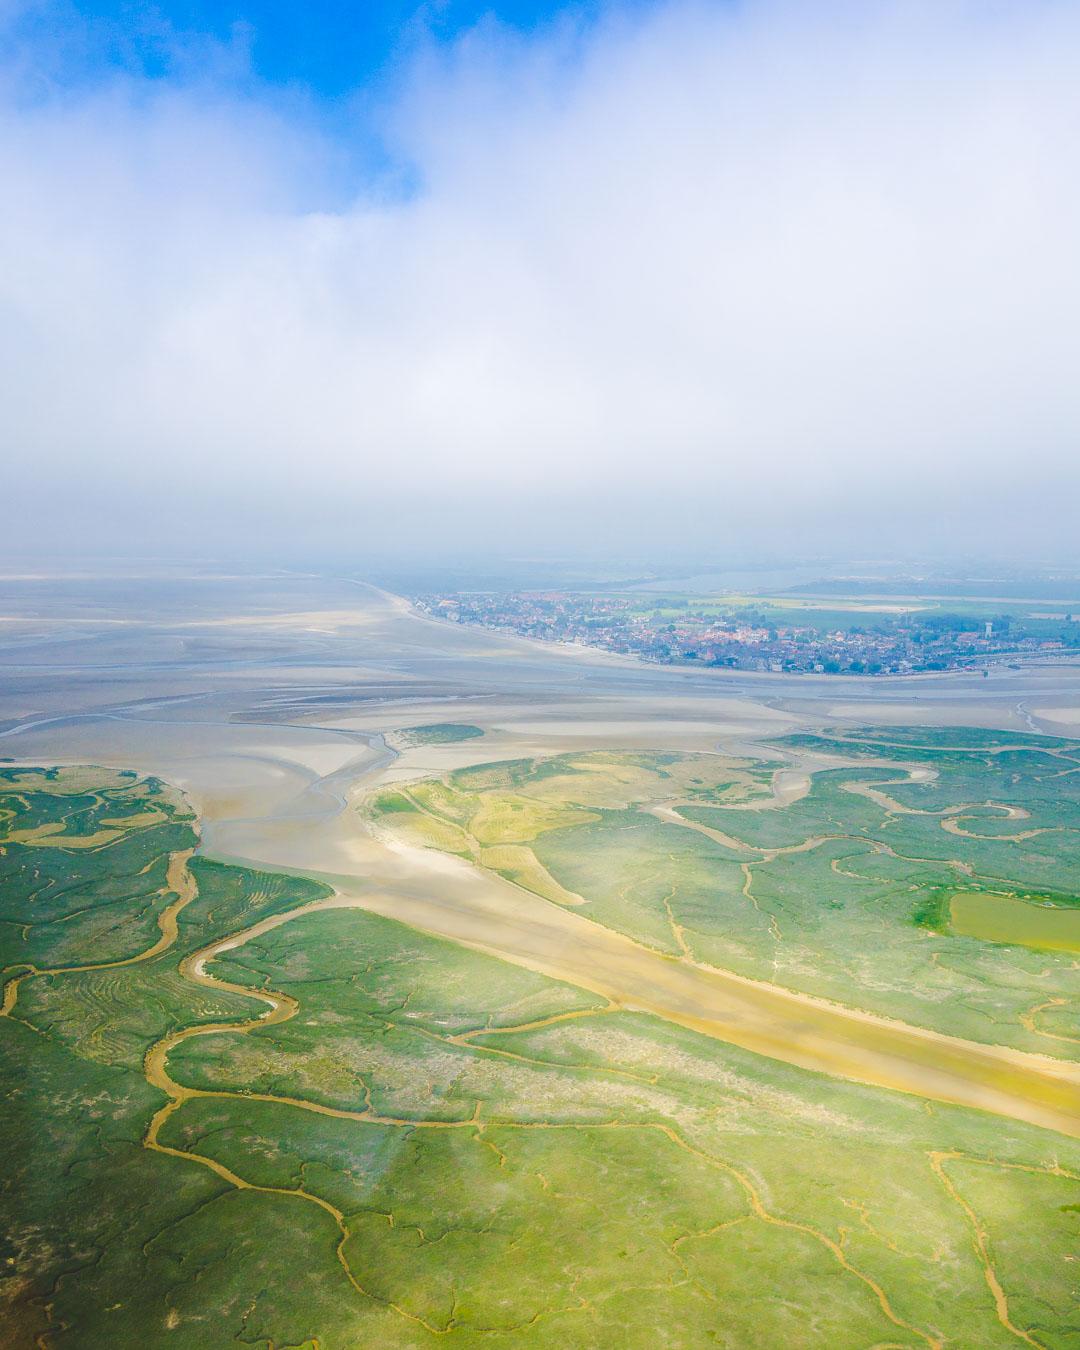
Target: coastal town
[[768, 635]]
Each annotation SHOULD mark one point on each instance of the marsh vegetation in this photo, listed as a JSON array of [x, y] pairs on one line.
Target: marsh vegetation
[[246, 1106]]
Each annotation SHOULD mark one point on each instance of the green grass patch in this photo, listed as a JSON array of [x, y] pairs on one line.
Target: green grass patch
[[437, 733]]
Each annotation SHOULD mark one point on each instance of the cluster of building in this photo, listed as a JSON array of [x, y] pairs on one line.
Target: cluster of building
[[741, 639]]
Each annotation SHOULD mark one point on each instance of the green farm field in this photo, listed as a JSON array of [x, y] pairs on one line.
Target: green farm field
[[1040, 619]]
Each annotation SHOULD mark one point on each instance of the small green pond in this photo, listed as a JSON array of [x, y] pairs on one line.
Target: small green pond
[[1007, 918]]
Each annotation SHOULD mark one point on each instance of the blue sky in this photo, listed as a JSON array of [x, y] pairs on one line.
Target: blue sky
[[327, 68], [328, 47]]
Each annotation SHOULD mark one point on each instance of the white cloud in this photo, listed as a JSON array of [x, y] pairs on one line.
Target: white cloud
[[797, 257]]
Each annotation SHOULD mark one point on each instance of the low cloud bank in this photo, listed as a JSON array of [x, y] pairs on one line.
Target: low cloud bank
[[776, 258]]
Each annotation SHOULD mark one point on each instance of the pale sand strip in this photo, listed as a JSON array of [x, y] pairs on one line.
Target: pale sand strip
[[483, 912]]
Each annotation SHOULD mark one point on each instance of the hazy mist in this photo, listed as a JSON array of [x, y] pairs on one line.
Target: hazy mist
[[755, 275]]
